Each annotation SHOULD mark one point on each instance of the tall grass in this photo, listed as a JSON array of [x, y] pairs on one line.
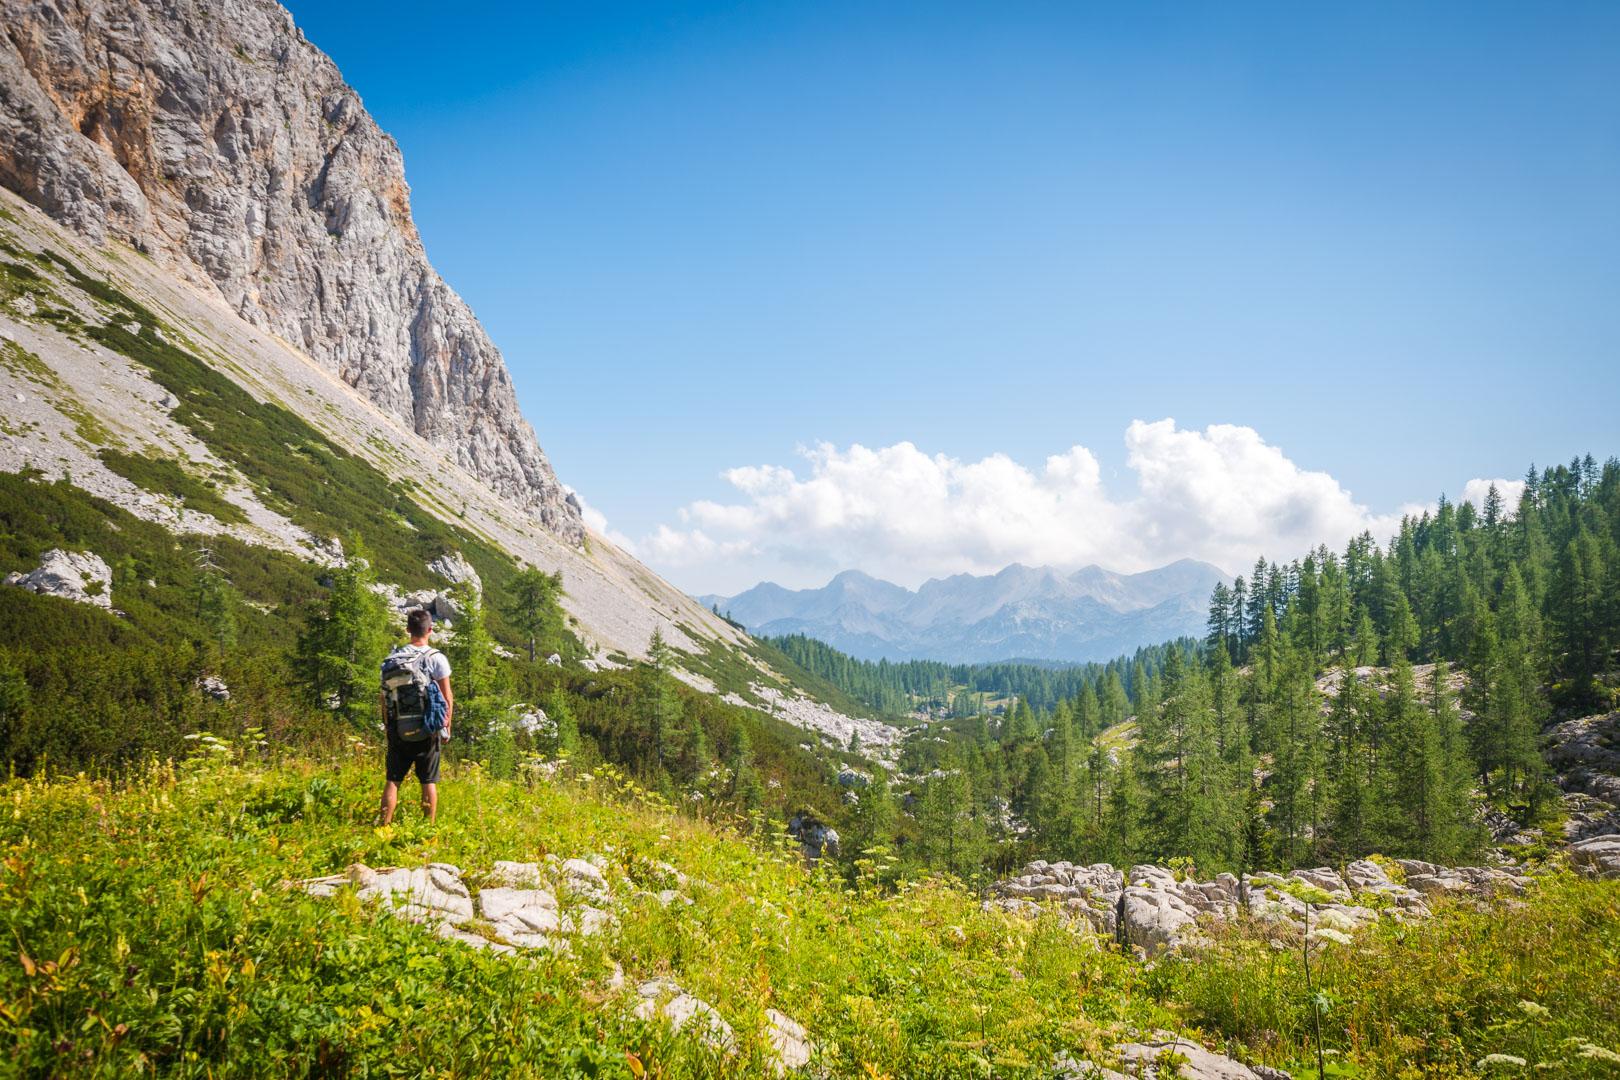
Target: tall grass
[[149, 930]]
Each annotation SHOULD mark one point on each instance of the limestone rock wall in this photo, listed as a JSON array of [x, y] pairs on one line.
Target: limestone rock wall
[[212, 136]]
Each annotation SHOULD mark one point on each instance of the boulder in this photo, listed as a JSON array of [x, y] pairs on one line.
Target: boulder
[[214, 687], [585, 879], [1140, 1062], [789, 1041], [80, 576], [432, 893], [1154, 918], [520, 875], [1597, 857], [665, 998], [454, 568]]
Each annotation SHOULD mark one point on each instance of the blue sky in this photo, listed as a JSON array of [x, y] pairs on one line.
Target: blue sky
[[1384, 237]]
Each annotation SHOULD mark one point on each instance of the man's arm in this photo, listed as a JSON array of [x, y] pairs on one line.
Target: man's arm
[[449, 703]]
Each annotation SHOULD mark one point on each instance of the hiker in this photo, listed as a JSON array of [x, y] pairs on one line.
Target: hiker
[[417, 707]]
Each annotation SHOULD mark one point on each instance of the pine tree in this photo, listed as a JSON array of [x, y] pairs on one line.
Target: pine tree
[[1298, 797], [482, 690], [1364, 647], [872, 821], [1351, 765], [1114, 707], [339, 654], [531, 606], [1460, 835], [746, 789], [1412, 775], [566, 742], [215, 600]]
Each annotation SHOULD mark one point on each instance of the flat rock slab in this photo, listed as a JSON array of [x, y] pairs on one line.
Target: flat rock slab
[[1598, 857], [1139, 1061], [665, 998]]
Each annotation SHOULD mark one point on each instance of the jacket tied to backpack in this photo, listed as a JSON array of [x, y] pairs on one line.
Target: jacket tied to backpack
[[416, 705]]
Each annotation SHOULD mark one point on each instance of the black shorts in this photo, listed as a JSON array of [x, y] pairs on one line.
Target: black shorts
[[423, 755]]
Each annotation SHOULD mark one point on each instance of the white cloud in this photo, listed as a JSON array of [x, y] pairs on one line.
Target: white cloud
[[1222, 495]]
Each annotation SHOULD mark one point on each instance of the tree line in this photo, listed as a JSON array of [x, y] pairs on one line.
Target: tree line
[[1374, 700]]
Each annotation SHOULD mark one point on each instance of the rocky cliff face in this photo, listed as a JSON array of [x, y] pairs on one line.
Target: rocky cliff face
[[210, 135]]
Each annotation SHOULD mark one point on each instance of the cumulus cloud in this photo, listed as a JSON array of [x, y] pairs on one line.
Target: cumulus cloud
[[1222, 494]]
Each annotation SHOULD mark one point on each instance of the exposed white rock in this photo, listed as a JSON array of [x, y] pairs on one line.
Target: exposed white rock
[[790, 1042], [853, 778], [665, 998], [879, 739], [237, 108], [520, 875], [1149, 908], [1586, 754], [454, 568], [1598, 856], [585, 879], [1140, 1061], [214, 687], [80, 576]]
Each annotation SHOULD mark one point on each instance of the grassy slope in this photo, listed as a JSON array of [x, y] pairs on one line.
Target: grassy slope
[[160, 939]]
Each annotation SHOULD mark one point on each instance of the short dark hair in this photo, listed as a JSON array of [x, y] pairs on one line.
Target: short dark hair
[[418, 622]]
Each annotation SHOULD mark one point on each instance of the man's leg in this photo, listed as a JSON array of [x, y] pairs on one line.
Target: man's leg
[[390, 799], [430, 800]]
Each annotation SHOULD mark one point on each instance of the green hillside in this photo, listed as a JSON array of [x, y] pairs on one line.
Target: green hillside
[[154, 931]]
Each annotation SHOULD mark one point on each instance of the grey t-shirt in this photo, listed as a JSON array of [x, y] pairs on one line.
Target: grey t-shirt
[[437, 665]]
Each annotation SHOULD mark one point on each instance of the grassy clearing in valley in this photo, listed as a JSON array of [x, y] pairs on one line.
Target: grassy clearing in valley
[[153, 934]]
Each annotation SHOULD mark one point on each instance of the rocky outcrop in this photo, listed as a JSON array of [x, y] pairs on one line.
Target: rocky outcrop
[[80, 576], [1585, 752], [212, 136], [877, 739], [454, 568], [1149, 908], [1597, 857], [520, 906], [1142, 1060]]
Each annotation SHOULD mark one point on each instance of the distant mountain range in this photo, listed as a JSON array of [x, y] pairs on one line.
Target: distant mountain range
[[1035, 613]]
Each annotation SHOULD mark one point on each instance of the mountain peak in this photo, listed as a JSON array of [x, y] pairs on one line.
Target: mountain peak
[[236, 112]]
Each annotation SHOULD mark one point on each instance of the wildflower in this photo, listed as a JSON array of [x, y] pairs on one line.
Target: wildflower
[[1493, 1060], [1593, 1052], [1533, 1010], [1325, 933]]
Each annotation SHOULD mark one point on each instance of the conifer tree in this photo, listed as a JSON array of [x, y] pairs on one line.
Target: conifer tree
[[339, 654], [531, 606], [872, 821], [1351, 766], [746, 789], [481, 687], [566, 742]]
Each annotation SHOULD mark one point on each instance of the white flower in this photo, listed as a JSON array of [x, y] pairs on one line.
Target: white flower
[[1325, 933], [1533, 1009], [1593, 1052], [1491, 1060]]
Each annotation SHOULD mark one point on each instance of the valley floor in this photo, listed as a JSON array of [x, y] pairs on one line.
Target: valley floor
[[159, 930]]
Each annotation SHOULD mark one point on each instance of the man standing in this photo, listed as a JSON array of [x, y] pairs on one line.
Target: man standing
[[424, 755]]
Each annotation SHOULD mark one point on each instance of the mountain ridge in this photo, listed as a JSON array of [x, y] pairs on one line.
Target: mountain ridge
[[1033, 612]]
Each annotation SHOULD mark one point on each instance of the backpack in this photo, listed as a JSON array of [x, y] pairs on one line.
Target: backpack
[[416, 706]]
